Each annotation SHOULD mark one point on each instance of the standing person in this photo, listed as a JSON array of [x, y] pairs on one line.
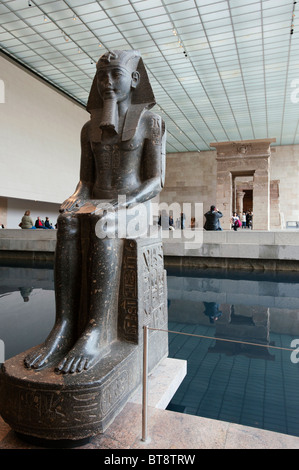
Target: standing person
[[243, 220], [249, 219], [171, 223], [235, 221], [213, 217], [27, 221], [183, 218]]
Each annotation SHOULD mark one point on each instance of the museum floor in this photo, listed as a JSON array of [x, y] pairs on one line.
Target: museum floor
[[168, 429]]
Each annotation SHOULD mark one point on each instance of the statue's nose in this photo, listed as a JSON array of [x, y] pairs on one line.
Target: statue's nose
[[108, 79]]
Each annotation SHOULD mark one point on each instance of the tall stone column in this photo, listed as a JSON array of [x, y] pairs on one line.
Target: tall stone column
[[224, 196], [275, 219], [261, 196], [240, 197]]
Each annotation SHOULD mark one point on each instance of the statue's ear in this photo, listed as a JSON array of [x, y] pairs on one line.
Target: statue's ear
[[135, 79]]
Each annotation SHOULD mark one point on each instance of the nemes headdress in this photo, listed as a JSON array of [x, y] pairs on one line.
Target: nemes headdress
[[124, 59], [142, 95]]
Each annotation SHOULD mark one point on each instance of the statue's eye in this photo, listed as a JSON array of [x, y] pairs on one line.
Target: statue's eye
[[117, 73]]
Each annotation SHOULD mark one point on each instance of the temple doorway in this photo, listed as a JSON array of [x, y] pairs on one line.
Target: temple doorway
[[243, 180], [242, 191], [248, 200]]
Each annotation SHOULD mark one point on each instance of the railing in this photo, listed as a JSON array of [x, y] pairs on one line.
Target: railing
[[146, 329]]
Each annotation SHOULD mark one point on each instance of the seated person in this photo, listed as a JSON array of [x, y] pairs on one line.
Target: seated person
[[38, 223]]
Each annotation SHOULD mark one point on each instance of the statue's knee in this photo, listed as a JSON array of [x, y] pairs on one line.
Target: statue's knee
[[103, 226], [68, 225]]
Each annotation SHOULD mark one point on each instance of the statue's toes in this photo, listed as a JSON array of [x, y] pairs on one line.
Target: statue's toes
[[35, 362], [70, 365]]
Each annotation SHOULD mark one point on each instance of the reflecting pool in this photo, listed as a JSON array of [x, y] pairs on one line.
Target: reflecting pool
[[241, 359], [27, 307], [241, 366]]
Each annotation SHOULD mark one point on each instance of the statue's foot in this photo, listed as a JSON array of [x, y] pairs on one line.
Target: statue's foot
[[85, 354], [76, 362], [55, 346]]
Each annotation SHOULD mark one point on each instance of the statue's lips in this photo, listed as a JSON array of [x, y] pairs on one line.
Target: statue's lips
[[108, 92]]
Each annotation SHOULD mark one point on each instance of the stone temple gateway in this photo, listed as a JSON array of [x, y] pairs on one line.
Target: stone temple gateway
[[248, 161]]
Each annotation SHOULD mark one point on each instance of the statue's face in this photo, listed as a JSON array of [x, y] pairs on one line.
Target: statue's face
[[115, 83]]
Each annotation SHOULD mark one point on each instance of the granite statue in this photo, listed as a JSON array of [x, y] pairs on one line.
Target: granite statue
[[121, 146], [109, 274]]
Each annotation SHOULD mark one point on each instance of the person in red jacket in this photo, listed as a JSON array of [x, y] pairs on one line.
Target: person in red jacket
[[39, 224]]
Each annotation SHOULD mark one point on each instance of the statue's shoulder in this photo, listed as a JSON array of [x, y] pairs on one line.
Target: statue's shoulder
[[149, 115], [85, 131], [153, 120], [86, 126]]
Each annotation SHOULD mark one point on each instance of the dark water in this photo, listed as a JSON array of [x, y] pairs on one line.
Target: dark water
[[252, 384], [251, 378], [27, 310]]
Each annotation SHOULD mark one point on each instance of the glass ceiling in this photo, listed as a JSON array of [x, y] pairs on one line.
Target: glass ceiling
[[221, 70]]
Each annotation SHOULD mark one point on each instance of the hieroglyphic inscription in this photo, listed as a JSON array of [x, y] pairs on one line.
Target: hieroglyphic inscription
[[155, 131], [110, 156], [42, 406], [128, 304], [85, 404], [47, 409], [142, 293], [37, 404], [154, 282], [114, 391]]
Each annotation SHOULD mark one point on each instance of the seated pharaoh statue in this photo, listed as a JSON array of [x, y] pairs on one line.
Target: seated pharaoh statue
[[122, 165]]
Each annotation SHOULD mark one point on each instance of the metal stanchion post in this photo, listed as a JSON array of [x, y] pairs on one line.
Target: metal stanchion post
[[145, 384]]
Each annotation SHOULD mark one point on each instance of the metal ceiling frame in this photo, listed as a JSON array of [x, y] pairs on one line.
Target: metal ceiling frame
[[220, 70]]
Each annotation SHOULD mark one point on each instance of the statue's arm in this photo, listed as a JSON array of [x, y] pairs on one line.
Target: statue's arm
[[153, 162], [83, 190]]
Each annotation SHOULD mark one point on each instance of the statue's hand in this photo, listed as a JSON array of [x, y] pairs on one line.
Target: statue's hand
[[105, 206], [70, 205]]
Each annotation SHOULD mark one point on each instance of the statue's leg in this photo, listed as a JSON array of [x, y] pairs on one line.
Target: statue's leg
[[67, 274], [104, 266]]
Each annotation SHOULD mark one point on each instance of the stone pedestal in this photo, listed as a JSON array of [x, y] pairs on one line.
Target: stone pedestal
[[45, 405]]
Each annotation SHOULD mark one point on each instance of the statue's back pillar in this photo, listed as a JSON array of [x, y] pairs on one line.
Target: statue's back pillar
[[143, 295], [54, 407]]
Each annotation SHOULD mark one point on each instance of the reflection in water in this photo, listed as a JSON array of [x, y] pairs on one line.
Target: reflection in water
[[27, 311], [239, 369], [212, 311], [25, 292]]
